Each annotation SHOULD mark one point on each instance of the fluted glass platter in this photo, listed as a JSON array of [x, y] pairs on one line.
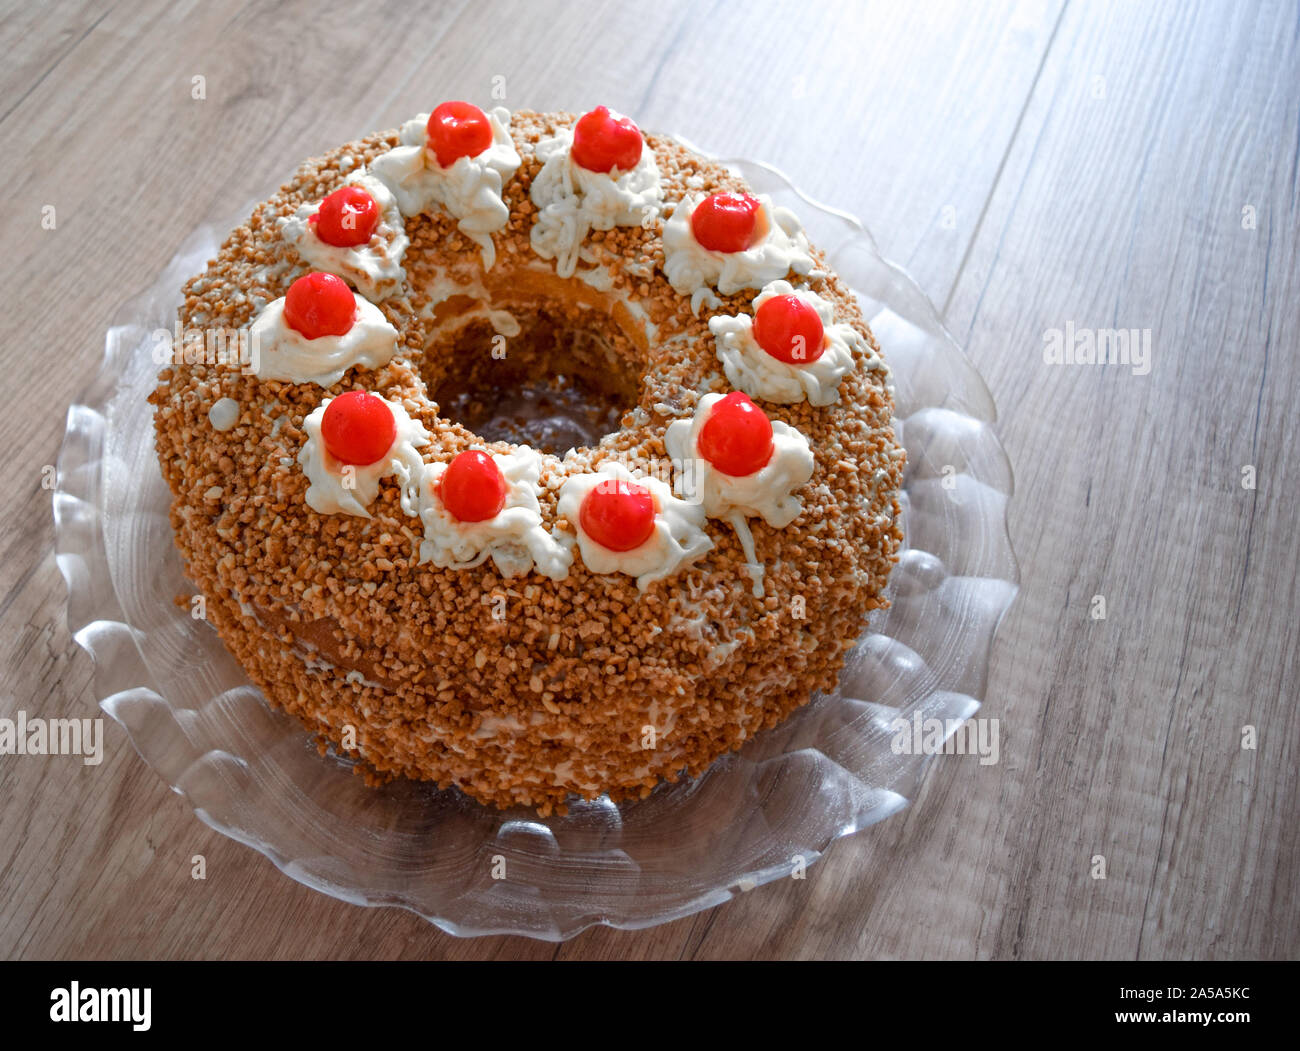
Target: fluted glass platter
[[255, 775]]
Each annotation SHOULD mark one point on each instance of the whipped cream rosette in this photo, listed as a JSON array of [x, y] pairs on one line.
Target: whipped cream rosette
[[357, 232], [317, 331], [736, 463], [482, 506], [573, 197], [731, 241], [631, 524], [353, 441], [791, 349], [456, 159]]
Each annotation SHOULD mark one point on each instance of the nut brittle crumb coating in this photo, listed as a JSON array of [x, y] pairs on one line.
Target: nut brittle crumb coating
[[526, 690]]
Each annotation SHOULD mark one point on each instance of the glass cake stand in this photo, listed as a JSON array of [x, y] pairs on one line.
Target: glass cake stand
[[254, 774]]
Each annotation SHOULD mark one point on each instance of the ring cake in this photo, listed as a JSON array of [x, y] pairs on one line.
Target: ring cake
[[553, 461]]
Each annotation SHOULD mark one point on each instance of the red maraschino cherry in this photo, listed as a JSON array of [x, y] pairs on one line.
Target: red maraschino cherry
[[789, 329], [602, 142], [347, 217], [472, 487], [727, 222], [737, 436], [618, 515], [456, 130], [358, 428], [320, 305]]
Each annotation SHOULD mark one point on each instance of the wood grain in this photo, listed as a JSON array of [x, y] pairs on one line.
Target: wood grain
[[1127, 210], [1022, 191]]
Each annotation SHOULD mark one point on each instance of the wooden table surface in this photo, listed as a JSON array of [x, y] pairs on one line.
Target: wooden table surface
[[1035, 165]]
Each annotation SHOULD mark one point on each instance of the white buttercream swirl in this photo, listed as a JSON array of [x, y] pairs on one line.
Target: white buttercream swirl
[[693, 270], [338, 488], [283, 353], [678, 538], [572, 200], [751, 369], [374, 267], [515, 538], [469, 190], [767, 493]]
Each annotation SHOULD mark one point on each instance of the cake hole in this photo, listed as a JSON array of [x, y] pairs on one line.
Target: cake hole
[[549, 377]]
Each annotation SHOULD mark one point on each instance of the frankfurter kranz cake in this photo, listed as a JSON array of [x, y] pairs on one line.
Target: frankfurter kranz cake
[[562, 464]]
